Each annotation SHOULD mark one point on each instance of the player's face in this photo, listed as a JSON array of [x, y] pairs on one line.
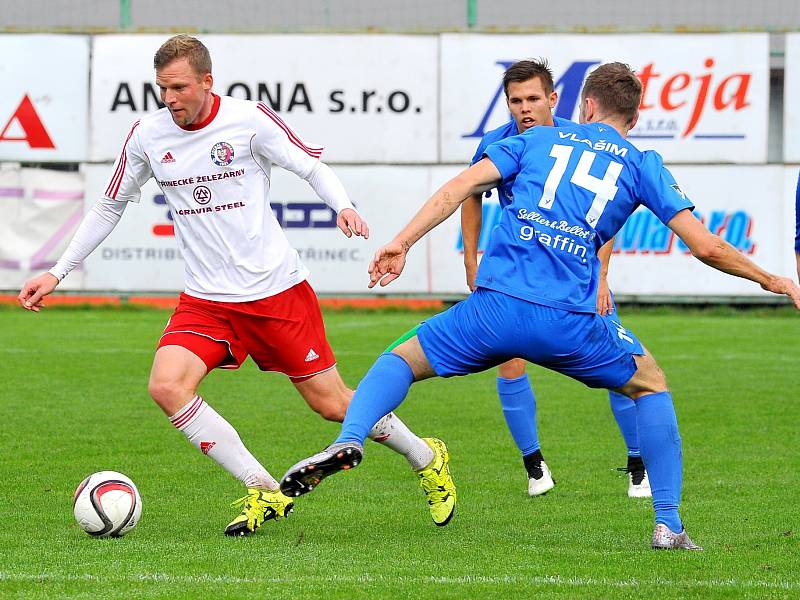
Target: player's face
[[529, 104], [183, 91]]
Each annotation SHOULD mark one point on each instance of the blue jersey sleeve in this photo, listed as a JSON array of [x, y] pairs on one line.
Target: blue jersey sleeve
[[658, 190], [506, 155], [797, 217]]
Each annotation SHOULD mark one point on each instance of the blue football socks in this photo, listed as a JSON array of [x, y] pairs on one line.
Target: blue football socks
[[381, 391], [519, 409], [624, 410], [660, 444]]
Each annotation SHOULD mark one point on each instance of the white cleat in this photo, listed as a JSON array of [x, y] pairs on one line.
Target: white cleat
[[666, 539], [641, 489], [541, 484]]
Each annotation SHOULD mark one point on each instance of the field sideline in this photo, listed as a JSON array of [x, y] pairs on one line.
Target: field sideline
[[74, 401]]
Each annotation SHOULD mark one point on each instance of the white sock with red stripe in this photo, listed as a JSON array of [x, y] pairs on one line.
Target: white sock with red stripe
[[393, 433], [215, 437]]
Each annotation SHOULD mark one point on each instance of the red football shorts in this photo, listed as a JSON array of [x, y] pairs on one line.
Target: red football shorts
[[281, 333]]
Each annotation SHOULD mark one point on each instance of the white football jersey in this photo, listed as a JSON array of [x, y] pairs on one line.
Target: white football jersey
[[216, 180]]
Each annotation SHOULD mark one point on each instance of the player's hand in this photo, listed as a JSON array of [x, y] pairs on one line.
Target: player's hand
[[605, 304], [350, 222], [471, 269], [785, 286], [388, 263], [31, 294]]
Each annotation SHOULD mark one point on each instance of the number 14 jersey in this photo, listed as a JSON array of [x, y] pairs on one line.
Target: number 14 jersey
[[574, 187]]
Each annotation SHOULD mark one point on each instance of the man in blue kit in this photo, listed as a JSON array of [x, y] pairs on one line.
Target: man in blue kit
[[797, 228], [536, 291], [531, 97]]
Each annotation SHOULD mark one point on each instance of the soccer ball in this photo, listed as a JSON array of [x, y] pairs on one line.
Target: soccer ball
[[107, 504]]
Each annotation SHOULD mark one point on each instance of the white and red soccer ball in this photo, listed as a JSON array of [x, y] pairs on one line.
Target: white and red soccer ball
[[107, 504]]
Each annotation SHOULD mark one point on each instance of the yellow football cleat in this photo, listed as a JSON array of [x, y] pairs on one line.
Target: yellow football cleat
[[437, 483], [258, 506]]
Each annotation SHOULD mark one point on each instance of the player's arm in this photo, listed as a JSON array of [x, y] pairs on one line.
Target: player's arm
[[605, 304], [390, 259], [275, 141], [717, 253], [131, 171], [327, 185], [95, 227], [471, 221]]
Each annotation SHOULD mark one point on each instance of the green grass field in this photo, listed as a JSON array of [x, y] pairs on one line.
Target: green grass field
[[74, 400]]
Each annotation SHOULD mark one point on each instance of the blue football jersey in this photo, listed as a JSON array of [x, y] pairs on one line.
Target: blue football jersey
[[573, 188], [797, 218], [504, 190]]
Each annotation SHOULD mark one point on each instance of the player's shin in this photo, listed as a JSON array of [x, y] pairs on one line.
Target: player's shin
[[519, 409], [381, 391], [660, 444], [624, 410], [216, 438]]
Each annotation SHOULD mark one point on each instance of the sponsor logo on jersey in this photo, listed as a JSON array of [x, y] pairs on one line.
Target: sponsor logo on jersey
[[675, 187], [311, 355], [167, 158], [201, 194], [222, 154]]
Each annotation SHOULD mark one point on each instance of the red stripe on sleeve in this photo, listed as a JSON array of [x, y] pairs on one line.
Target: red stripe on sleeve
[[116, 180], [311, 151]]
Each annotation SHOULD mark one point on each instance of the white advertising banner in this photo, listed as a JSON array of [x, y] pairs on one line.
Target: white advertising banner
[[791, 83], [41, 211], [141, 253], [746, 206], [44, 102], [750, 207], [366, 98], [706, 97]]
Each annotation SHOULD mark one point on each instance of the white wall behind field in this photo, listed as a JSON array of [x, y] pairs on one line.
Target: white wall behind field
[[399, 114]]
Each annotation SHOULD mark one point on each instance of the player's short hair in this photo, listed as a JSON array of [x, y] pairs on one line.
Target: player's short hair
[[184, 46], [616, 89], [523, 70]]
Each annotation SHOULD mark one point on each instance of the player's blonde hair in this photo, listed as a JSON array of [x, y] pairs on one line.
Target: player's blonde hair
[[184, 46], [616, 89]]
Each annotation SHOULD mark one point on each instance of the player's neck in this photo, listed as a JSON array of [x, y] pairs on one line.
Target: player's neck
[[617, 124], [208, 105]]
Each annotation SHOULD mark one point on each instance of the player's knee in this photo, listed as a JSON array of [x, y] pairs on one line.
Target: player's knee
[[166, 392], [512, 369]]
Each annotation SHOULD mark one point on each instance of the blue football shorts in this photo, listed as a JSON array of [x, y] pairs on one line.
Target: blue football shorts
[[489, 328]]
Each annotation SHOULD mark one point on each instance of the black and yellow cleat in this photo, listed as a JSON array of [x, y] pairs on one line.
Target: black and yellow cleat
[[437, 483], [258, 506]]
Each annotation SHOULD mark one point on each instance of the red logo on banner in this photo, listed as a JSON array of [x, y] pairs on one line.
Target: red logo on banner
[[702, 92], [35, 133]]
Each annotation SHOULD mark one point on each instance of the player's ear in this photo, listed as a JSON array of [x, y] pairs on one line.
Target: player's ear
[[553, 99], [634, 120], [208, 81]]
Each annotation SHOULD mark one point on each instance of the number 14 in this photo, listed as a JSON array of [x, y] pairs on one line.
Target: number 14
[[605, 189]]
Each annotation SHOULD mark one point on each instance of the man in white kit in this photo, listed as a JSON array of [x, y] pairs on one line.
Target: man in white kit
[[246, 291]]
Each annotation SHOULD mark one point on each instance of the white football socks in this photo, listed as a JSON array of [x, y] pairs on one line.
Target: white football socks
[[215, 437], [393, 433]]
